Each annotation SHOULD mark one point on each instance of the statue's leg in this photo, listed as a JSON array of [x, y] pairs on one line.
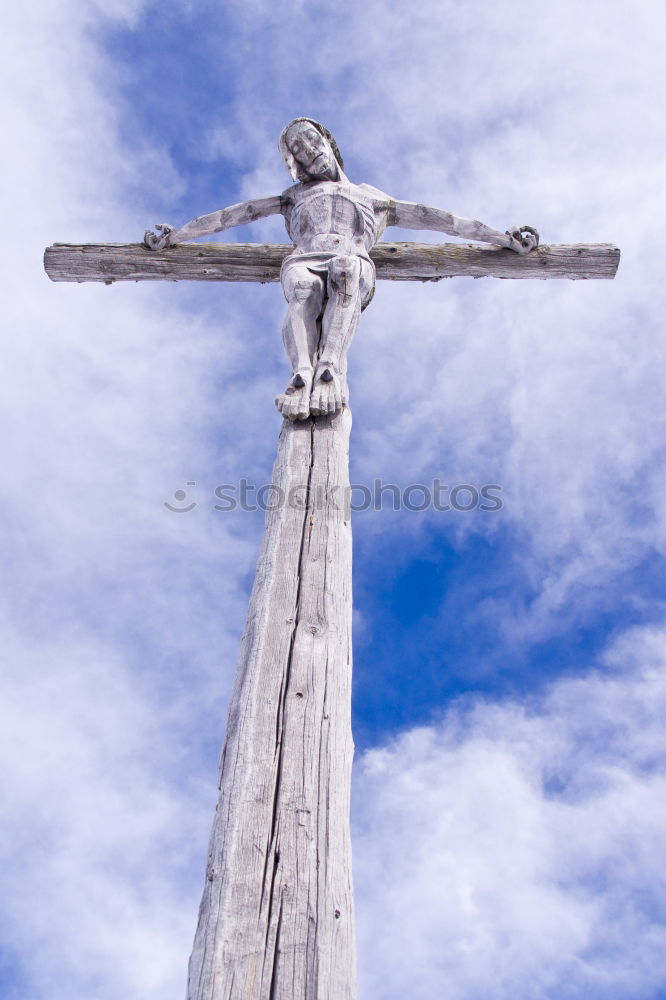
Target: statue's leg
[[305, 293], [349, 288]]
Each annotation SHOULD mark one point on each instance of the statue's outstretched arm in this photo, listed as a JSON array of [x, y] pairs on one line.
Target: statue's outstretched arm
[[216, 222], [409, 215]]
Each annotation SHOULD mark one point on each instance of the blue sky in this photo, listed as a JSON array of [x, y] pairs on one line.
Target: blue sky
[[509, 666]]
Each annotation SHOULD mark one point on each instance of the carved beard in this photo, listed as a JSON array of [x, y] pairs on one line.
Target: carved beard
[[332, 172]]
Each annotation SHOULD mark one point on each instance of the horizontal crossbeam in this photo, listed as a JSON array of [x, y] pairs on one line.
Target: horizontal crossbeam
[[261, 262]]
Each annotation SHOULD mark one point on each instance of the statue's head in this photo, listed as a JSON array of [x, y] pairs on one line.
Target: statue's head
[[310, 151]]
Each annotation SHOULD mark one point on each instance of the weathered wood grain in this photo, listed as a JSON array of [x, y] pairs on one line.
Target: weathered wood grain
[[261, 262], [276, 918]]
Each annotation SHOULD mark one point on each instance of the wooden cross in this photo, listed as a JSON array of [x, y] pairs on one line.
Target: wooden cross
[[276, 919]]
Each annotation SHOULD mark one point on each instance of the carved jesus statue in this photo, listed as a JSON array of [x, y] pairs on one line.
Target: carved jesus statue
[[329, 278]]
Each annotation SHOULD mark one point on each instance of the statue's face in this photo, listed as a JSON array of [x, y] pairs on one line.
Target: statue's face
[[311, 150]]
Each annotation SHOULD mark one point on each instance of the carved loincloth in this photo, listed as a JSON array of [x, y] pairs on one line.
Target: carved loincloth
[[318, 263]]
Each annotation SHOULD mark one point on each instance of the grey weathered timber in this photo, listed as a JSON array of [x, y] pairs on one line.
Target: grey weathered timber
[[261, 262], [276, 918]]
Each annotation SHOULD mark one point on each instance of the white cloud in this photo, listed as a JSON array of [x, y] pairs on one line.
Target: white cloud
[[96, 840], [110, 689], [121, 619], [514, 850], [507, 112]]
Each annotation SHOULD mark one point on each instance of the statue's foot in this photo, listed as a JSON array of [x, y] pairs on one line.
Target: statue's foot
[[294, 402], [329, 390]]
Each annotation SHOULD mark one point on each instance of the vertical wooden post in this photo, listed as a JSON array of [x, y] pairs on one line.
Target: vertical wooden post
[[276, 919]]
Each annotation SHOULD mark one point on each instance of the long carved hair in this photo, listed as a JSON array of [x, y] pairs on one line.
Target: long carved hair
[[292, 164]]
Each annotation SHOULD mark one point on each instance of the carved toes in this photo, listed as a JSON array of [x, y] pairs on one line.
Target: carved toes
[[326, 394], [302, 398], [293, 406], [294, 402]]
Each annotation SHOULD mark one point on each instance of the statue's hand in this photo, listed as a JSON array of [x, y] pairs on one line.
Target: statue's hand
[[523, 238], [155, 242]]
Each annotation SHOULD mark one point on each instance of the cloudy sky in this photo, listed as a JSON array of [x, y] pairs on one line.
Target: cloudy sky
[[509, 801]]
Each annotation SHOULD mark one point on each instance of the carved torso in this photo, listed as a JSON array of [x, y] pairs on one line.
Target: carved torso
[[335, 216]]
